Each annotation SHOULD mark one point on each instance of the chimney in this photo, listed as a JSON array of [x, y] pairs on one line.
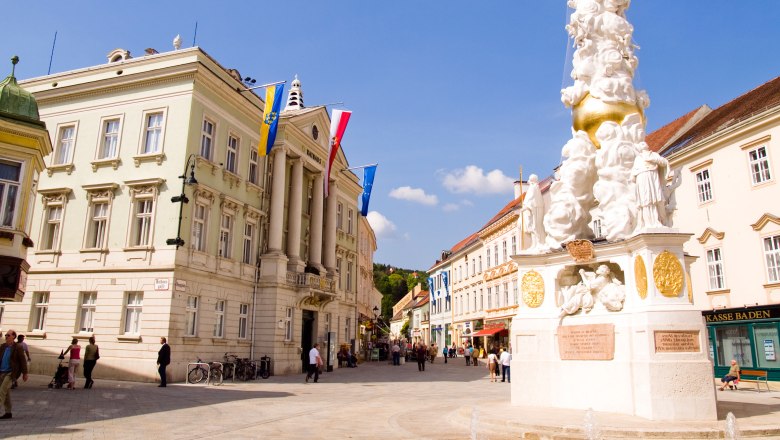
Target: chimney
[[518, 189]]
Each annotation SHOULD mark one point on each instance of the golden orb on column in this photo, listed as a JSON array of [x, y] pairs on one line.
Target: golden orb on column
[[591, 112]]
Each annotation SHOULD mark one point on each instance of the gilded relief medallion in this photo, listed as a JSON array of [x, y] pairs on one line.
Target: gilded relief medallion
[[668, 274], [640, 276], [533, 289]]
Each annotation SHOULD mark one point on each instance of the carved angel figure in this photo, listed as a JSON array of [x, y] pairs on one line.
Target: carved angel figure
[[599, 284]]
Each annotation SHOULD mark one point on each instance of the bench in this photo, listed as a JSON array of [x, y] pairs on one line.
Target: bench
[[757, 376]]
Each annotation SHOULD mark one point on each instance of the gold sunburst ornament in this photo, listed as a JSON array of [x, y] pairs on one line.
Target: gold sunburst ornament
[[533, 289], [640, 276], [668, 274]]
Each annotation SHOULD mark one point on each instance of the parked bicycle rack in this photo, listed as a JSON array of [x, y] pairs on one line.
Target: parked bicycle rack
[[192, 364], [232, 366], [221, 376]]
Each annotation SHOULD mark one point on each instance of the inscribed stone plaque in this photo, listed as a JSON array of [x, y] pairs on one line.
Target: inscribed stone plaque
[[580, 250], [595, 342], [677, 341]]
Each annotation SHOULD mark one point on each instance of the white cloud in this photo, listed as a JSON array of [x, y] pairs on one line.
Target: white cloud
[[414, 195], [450, 207], [383, 228], [473, 179]]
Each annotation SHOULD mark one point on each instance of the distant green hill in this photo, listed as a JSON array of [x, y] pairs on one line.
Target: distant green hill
[[394, 283]]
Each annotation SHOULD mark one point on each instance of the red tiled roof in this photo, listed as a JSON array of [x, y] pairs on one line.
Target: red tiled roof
[[662, 137], [423, 301], [738, 109], [504, 211]]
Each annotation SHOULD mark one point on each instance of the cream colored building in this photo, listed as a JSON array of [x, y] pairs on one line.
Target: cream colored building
[[369, 299], [727, 159], [265, 265]]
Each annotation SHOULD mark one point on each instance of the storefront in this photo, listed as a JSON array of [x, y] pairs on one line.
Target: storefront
[[748, 335], [493, 336]]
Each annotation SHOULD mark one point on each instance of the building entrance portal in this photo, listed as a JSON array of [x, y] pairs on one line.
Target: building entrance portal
[[307, 337]]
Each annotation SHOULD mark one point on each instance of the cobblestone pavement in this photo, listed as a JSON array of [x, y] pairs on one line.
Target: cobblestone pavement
[[375, 400]]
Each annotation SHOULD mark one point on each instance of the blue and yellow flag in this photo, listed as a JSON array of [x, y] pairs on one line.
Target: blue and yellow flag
[[273, 101]]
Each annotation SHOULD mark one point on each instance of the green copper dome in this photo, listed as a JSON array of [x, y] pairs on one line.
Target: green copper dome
[[15, 101]]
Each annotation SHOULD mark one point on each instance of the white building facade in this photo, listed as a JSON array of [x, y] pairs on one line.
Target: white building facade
[[255, 261]]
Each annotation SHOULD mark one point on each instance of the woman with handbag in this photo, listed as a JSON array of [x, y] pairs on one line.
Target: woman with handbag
[[91, 355], [73, 363]]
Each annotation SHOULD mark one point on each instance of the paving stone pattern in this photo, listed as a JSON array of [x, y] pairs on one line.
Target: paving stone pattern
[[374, 401]]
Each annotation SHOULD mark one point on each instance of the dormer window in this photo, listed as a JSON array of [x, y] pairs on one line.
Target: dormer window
[[117, 55]]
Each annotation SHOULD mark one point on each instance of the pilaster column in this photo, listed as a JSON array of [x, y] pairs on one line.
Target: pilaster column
[[315, 225], [329, 256], [277, 201], [294, 218]]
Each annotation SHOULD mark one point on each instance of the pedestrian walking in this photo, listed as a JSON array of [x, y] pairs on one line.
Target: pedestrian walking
[[475, 352], [505, 360], [91, 355], [20, 341], [73, 363], [454, 351], [444, 353], [492, 365], [396, 353], [12, 365], [421, 355], [315, 363], [163, 359], [467, 354]]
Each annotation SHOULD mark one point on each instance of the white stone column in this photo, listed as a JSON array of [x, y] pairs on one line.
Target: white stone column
[[329, 257], [294, 218], [277, 201], [315, 225]]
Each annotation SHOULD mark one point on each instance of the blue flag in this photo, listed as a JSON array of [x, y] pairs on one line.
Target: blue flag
[[368, 183]]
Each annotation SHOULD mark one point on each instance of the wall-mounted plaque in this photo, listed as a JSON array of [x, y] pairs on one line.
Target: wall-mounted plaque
[[595, 342], [580, 250], [677, 341]]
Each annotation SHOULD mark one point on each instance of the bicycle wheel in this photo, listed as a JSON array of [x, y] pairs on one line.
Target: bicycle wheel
[[196, 375], [265, 373], [241, 372], [216, 376]]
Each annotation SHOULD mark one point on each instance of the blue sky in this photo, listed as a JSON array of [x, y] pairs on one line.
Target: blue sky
[[449, 97]]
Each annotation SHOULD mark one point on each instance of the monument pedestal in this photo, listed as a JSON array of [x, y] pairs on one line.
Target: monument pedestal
[[649, 359]]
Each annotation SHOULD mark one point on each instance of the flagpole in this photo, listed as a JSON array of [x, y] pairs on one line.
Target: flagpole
[[264, 85], [359, 167]]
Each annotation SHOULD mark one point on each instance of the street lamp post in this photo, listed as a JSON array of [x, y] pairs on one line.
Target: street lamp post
[[181, 199]]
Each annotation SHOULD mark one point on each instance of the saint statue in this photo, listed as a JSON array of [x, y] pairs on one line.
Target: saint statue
[[649, 173]]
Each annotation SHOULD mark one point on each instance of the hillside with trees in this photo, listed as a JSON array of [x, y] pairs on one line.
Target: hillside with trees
[[394, 283]]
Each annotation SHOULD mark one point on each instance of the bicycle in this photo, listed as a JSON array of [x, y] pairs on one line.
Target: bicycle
[[199, 373]]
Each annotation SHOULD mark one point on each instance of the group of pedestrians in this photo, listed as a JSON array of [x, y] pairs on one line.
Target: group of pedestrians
[[499, 358]]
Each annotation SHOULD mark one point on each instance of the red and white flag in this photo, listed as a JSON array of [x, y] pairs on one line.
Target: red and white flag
[[338, 124]]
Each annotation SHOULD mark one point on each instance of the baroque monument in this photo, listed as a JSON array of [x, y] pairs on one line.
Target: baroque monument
[[609, 324]]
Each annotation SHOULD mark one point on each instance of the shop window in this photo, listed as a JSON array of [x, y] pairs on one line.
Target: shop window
[[734, 343], [767, 344]]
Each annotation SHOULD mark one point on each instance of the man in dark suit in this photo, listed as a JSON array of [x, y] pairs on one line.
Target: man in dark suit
[[163, 359]]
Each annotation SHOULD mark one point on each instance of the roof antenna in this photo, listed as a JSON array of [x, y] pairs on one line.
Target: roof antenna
[[51, 57]]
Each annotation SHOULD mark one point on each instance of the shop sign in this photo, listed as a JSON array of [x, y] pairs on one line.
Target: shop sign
[[741, 314]]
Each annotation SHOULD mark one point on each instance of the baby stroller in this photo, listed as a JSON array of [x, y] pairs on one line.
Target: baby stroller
[[61, 375]]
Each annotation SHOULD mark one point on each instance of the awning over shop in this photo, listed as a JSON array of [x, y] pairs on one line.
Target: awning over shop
[[489, 331]]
